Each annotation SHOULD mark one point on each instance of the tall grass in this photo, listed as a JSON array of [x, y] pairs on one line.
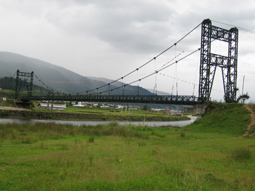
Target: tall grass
[[27, 133]]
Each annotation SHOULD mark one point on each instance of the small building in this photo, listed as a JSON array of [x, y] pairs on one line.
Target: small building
[[56, 107], [104, 106], [120, 107], [156, 109], [79, 104]]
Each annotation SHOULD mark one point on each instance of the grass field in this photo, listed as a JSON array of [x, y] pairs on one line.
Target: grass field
[[207, 155]]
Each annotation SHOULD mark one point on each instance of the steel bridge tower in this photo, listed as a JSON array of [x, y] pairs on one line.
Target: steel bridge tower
[[24, 79], [209, 61]]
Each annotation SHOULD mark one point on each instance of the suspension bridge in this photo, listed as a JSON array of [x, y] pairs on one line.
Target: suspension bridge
[[208, 63]]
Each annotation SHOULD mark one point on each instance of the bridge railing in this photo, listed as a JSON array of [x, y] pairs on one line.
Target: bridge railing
[[162, 99]]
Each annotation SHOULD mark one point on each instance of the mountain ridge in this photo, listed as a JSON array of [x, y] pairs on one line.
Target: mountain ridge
[[56, 77]]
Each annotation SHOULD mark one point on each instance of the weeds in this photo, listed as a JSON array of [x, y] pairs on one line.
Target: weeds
[[141, 144], [91, 139], [183, 134], [117, 160], [63, 146], [211, 178], [91, 159], [26, 140], [241, 154]]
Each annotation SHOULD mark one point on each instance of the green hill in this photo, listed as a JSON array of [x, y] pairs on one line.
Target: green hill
[[55, 77], [222, 118]]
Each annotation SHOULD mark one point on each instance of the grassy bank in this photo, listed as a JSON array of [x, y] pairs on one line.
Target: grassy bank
[[65, 157], [223, 118]]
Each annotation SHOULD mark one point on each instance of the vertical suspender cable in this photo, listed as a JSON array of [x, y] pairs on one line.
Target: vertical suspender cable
[[155, 87], [175, 72], [176, 87], [194, 84], [123, 86], [137, 81]]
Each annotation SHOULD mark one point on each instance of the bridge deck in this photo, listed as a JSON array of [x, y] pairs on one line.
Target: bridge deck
[[160, 99]]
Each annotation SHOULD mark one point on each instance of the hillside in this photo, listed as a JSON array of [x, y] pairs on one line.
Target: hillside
[[55, 77], [7, 85], [223, 118]]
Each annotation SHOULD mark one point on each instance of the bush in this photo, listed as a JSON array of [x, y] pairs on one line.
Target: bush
[[4, 113], [241, 154]]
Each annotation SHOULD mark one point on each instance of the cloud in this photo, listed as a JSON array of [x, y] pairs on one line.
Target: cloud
[[92, 37], [133, 26]]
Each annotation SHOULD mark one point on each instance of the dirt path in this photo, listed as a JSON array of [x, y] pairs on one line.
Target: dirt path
[[13, 109], [252, 121]]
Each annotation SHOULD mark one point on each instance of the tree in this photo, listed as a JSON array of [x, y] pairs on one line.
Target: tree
[[145, 107]]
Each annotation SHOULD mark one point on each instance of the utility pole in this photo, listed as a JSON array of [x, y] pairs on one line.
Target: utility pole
[[243, 87]]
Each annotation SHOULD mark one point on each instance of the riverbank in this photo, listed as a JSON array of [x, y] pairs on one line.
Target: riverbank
[[96, 123], [95, 116]]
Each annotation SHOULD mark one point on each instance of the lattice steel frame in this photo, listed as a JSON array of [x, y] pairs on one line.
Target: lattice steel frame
[[24, 79], [209, 61]]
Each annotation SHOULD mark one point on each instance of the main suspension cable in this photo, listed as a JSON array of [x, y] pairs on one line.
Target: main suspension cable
[[121, 78], [153, 73]]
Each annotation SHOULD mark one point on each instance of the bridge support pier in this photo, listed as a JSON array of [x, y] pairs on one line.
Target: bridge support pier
[[198, 109], [20, 103]]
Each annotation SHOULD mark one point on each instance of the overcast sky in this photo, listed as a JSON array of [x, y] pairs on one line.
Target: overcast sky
[[110, 38]]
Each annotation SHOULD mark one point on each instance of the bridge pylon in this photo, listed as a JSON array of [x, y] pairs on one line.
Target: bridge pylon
[[209, 61], [24, 79]]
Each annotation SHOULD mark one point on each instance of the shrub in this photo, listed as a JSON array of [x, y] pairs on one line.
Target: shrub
[[4, 113]]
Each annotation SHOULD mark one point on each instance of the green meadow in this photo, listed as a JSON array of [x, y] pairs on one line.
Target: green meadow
[[209, 154]]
